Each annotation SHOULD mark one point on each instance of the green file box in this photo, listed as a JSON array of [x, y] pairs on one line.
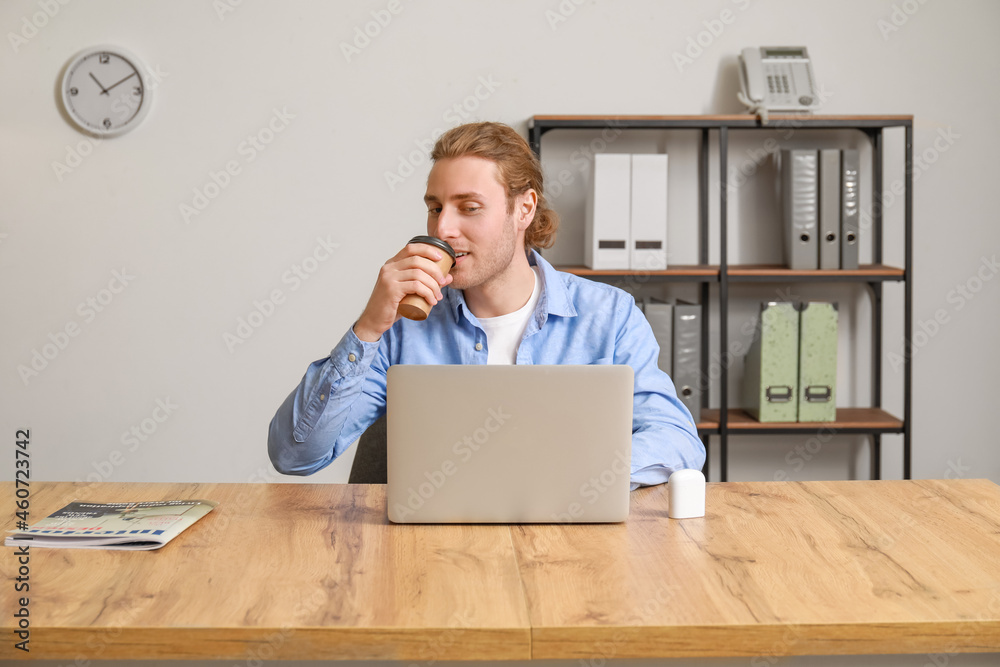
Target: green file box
[[771, 372], [818, 362]]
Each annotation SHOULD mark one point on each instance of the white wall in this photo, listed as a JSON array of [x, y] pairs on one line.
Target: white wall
[[348, 123]]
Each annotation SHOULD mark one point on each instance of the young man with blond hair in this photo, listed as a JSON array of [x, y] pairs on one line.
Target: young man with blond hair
[[501, 303]]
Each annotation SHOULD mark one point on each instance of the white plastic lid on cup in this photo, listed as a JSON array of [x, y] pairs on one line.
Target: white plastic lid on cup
[[687, 494]]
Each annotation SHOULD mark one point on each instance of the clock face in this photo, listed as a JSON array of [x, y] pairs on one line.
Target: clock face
[[104, 91]]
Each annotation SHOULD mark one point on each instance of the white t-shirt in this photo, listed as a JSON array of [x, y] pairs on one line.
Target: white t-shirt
[[504, 333]]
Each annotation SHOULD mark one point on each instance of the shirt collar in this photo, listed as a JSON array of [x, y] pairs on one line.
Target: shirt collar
[[554, 299]]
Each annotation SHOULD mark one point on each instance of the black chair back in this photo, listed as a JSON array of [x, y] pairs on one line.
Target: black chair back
[[370, 460]]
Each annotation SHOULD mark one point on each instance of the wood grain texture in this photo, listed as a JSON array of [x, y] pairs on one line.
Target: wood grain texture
[[289, 571], [847, 418], [676, 270], [738, 271], [778, 270], [779, 568], [285, 570]]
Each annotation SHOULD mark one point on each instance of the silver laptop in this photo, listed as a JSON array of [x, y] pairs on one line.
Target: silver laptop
[[509, 444]]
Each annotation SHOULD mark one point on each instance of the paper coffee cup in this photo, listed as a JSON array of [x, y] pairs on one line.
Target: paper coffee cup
[[414, 306]]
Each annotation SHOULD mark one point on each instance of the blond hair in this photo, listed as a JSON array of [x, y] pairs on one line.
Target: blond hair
[[518, 170]]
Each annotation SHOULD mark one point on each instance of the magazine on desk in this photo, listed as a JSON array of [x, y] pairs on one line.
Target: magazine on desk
[[132, 526]]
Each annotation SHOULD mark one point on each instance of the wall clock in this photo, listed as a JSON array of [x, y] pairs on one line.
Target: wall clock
[[104, 91]]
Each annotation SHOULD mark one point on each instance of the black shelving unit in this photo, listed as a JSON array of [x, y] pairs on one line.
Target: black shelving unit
[[722, 422]]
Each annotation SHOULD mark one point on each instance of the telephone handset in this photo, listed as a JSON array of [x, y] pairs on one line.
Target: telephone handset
[[777, 78]]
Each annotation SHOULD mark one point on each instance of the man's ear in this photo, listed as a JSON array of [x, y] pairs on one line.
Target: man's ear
[[524, 208]]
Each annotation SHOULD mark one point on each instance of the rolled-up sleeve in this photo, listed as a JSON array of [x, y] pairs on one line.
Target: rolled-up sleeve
[[337, 399], [664, 435]]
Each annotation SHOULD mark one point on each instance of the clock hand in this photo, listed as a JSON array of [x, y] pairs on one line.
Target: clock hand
[[120, 82], [103, 91]]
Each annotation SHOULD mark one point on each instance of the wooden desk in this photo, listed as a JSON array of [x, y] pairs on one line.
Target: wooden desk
[[289, 571]]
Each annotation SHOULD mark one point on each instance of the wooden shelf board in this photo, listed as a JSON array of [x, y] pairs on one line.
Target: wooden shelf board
[[750, 272], [708, 425], [853, 419], [678, 271], [764, 271]]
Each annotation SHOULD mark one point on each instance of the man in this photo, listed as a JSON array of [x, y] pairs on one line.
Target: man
[[501, 303]]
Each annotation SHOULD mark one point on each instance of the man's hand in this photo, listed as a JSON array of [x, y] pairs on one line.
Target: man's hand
[[412, 271]]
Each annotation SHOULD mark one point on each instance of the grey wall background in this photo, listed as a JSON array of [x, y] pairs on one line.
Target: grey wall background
[[332, 124], [75, 211]]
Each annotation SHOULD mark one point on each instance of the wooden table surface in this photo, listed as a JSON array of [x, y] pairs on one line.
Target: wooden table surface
[[302, 571]]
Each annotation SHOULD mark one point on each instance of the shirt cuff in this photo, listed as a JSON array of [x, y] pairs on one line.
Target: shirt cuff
[[650, 475], [353, 356]]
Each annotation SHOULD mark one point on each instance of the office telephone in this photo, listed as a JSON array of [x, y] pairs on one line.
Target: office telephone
[[777, 78]]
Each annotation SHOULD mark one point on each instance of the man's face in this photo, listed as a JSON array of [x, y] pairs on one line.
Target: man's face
[[467, 207]]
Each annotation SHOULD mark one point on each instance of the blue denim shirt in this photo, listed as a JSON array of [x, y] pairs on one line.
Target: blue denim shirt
[[576, 321]]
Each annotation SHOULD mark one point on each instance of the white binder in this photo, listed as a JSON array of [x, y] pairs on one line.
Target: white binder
[[649, 212], [609, 199]]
